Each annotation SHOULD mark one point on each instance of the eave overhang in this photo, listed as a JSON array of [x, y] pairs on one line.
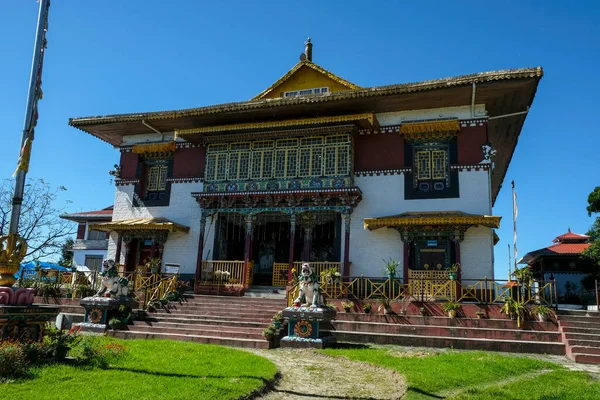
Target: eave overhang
[[408, 219], [146, 224]]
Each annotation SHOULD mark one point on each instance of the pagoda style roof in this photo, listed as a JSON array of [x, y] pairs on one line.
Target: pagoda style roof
[[567, 244], [507, 95], [146, 224], [97, 215], [411, 219]]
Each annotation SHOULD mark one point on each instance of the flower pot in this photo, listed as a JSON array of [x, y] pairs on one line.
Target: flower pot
[[367, 310], [392, 275], [61, 352], [452, 276], [423, 311], [69, 295], [542, 317], [277, 324], [268, 337], [347, 309], [480, 315], [452, 313], [154, 271]]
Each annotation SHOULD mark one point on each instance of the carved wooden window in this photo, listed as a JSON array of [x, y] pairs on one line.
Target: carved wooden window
[[286, 158], [262, 159], [239, 161], [311, 157], [157, 178], [337, 155], [216, 162], [431, 168]]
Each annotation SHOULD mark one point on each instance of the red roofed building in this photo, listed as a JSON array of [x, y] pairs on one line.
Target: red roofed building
[[91, 246], [561, 261]]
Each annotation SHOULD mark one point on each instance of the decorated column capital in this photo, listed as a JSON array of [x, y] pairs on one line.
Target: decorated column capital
[[347, 221]]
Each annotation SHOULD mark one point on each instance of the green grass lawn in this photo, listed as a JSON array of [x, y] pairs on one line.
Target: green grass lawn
[[477, 375], [152, 369]]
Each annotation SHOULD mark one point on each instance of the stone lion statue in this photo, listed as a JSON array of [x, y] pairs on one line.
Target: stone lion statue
[[112, 284], [309, 294]]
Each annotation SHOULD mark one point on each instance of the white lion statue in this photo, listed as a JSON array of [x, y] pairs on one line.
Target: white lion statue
[[309, 294], [112, 284]]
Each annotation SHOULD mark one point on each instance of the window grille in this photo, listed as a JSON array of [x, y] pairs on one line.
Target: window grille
[[157, 178]]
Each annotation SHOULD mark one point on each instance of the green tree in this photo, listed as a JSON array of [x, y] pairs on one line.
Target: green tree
[[594, 202], [66, 257], [592, 253], [40, 224]]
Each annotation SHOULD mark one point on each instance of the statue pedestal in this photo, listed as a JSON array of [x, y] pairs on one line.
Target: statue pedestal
[[19, 318], [99, 310], [305, 327]]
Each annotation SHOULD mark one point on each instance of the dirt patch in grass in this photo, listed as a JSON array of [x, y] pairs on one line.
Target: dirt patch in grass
[[307, 374]]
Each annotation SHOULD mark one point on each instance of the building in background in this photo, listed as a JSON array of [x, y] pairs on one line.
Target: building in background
[[316, 168], [561, 261], [91, 246]]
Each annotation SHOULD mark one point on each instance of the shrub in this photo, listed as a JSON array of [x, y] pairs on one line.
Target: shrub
[[13, 360], [57, 339], [95, 352]]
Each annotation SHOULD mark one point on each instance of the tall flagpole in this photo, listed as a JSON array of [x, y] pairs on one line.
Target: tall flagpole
[[12, 247], [509, 264], [515, 214]]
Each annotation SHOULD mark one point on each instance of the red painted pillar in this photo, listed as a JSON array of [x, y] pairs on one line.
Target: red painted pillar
[[198, 275], [292, 246], [247, 245], [119, 245], [457, 258], [346, 270], [406, 259]]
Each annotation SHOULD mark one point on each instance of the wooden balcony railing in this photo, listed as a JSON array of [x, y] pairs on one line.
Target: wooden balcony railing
[[225, 272], [280, 270], [482, 291]]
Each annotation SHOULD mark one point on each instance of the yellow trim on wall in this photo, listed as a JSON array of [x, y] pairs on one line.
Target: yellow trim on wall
[[382, 222], [154, 148]]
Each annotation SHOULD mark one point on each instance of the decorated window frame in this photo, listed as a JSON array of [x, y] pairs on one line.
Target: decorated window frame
[[155, 167]]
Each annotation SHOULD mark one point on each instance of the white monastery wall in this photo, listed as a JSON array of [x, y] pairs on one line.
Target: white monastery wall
[[79, 255], [476, 253], [384, 196], [180, 248]]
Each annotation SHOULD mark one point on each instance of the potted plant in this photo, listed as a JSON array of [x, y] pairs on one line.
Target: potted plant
[[514, 309], [453, 270], [69, 294], [386, 304], [542, 312], [367, 308], [423, 311], [451, 308], [277, 320], [115, 323], [269, 332], [348, 305], [391, 267], [480, 314], [60, 342]]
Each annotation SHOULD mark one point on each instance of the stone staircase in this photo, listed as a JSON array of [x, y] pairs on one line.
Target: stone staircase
[[228, 321], [458, 333], [580, 330]]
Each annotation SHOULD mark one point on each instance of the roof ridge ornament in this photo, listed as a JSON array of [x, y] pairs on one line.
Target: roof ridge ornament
[[307, 55]]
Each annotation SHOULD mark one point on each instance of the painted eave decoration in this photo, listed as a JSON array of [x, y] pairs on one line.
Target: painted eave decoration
[[434, 130], [431, 218], [295, 70], [364, 121], [152, 148], [149, 224]]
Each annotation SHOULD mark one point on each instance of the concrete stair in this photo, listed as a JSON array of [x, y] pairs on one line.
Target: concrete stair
[[580, 331], [459, 333], [222, 320]]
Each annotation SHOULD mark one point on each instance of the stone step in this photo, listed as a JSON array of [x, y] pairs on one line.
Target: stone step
[[223, 341], [579, 318], [582, 336], [229, 314], [234, 318], [580, 329], [563, 311], [235, 300], [580, 324], [584, 343], [586, 358], [199, 326], [445, 331], [193, 330], [452, 342], [585, 350], [209, 321], [225, 307], [445, 321]]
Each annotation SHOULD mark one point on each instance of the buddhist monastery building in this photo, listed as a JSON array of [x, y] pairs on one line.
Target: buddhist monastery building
[[316, 168], [561, 261]]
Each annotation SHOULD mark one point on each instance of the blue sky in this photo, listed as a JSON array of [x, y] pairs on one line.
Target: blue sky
[[107, 57]]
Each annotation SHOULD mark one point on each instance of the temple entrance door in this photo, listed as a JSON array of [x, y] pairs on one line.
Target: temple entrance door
[[145, 251], [270, 244], [431, 255]]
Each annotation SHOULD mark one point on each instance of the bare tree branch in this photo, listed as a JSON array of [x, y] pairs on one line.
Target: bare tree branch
[[39, 224]]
